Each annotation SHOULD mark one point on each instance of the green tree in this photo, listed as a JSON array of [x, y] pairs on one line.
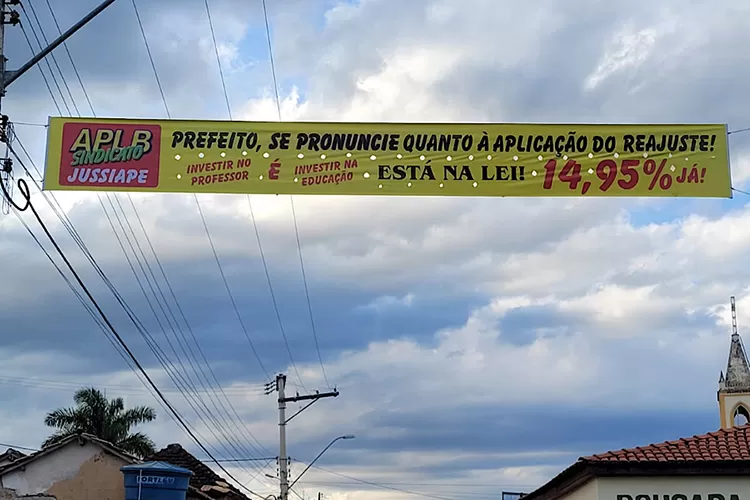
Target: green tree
[[104, 418]]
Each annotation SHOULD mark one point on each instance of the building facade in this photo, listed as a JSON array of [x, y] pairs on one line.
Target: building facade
[[77, 468], [713, 466]]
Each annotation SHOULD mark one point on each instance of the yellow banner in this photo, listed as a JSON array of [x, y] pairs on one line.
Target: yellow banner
[[396, 159]]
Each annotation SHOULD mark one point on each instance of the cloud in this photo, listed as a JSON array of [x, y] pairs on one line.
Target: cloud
[[480, 342]]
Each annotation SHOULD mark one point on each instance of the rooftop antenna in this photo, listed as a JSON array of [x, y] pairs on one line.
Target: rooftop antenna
[[734, 316]]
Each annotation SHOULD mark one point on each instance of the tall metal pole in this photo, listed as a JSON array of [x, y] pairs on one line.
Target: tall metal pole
[[348, 436], [11, 76], [283, 460]]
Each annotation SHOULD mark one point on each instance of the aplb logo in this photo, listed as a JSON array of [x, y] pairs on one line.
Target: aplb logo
[[110, 155]]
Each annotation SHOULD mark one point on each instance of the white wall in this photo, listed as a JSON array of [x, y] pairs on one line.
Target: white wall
[[588, 491], [42, 473], [667, 487]]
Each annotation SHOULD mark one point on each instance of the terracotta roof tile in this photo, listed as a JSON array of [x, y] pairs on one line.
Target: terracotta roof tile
[[203, 478], [724, 444]]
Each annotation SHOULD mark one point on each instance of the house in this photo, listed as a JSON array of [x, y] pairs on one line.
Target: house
[[80, 467], [204, 479], [711, 466]]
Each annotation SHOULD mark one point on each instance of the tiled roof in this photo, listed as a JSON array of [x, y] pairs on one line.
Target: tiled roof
[[11, 455], [204, 478], [722, 445]]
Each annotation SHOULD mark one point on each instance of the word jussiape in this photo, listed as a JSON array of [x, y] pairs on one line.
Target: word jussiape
[[569, 143]]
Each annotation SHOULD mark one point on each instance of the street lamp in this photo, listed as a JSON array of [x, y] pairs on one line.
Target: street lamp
[[347, 436]]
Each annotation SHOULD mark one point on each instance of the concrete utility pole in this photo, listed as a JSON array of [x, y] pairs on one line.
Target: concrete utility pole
[[280, 386]]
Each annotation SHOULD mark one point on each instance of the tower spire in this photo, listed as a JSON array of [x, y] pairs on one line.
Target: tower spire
[[734, 383], [737, 377]]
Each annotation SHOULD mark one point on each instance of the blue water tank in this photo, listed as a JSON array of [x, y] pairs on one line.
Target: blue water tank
[[155, 481]]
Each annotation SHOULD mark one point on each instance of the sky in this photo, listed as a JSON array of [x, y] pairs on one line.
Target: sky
[[479, 345]]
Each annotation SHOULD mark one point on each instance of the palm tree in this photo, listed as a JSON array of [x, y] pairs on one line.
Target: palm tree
[[106, 419]]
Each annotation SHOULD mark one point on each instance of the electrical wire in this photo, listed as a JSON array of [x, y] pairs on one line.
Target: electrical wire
[[184, 380], [182, 345], [70, 58], [148, 339], [41, 71], [198, 406], [88, 309], [150, 57], [197, 201], [382, 486], [18, 447], [52, 56], [265, 267], [161, 90], [68, 385], [28, 205], [218, 59], [229, 290], [153, 345], [272, 62]]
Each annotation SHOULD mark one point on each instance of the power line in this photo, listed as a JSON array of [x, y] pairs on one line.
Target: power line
[[226, 285], [149, 340], [52, 56], [89, 310], [166, 303], [381, 485], [272, 62], [270, 288], [156, 75], [161, 357], [147, 337], [18, 447], [180, 380], [58, 385], [265, 267], [28, 205], [150, 57], [218, 59], [70, 58], [200, 211], [184, 377], [41, 71], [49, 66], [183, 383]]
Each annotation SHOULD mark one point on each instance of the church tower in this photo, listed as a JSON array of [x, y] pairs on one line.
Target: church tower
[[734, 387]]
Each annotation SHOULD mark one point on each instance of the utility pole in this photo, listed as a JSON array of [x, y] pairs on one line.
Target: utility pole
[[280, 386]]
